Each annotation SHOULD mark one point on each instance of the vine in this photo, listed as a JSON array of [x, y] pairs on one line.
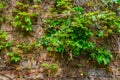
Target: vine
[[3, 42], [68, 30], [71, 32], [22, 18], [2, 8]]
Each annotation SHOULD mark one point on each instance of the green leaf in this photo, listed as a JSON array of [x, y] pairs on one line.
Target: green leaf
[[15, 59], [60, 48], [10, 54], [8, 44], [106, 61], [45, 65], [100, 33], [37, 0], [49, 48], [1, 19], [54, 23], [78, 9], [53, 66], [1, 6], [27, 19], [99, 59]]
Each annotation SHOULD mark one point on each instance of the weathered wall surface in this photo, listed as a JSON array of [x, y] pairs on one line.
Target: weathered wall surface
[[30, 68]]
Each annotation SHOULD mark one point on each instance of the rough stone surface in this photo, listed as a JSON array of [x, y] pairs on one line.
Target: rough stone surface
[[30, 68]]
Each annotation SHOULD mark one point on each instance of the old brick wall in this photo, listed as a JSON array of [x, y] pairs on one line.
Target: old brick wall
[[30, 68]]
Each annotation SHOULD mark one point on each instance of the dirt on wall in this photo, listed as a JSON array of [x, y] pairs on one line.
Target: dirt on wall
[[33, 64]]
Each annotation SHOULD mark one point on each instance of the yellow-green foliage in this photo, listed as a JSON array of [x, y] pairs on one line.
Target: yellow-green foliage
[[22, 19], [3, 42]]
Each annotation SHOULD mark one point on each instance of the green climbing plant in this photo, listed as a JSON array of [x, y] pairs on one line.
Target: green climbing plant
[[2, 8], [13, 57], [71, 32], [22, 19], [3, 41]]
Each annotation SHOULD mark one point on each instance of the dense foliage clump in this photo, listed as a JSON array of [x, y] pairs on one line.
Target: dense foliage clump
[[71, 31]]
